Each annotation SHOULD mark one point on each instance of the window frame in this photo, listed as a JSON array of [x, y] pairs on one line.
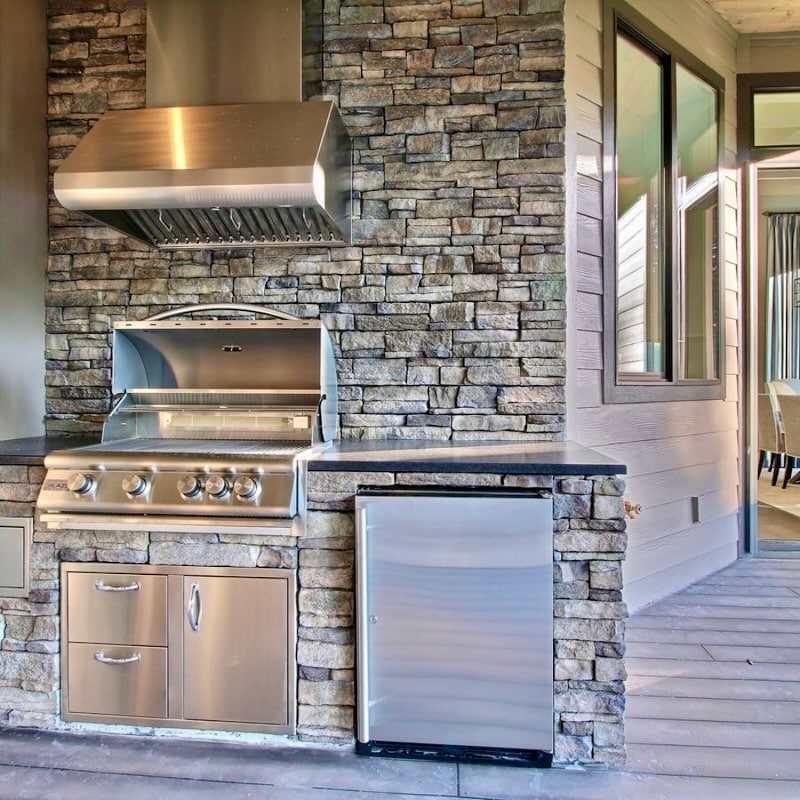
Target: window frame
[[747, 86], [621, 18]]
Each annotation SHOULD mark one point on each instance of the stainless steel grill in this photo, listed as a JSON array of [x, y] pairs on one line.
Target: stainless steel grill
[[212, 423]]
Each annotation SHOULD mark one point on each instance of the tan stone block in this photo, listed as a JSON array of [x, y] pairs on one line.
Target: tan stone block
[[325, 654]]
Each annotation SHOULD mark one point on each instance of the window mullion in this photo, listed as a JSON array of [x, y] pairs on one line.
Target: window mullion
[[673, 276]]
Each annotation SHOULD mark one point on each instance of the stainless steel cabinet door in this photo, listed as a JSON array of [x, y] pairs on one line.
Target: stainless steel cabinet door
[[235, 649], [455, 620]]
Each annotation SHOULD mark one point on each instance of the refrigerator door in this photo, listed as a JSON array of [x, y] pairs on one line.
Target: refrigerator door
[[455, 620]]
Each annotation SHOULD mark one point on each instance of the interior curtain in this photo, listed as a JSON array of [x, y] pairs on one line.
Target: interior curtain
[[783, 296]]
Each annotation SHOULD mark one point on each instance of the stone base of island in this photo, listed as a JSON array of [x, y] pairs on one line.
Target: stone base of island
[[589, 543]]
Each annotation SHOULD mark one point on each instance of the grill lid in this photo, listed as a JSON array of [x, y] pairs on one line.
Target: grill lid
[[223, 377]]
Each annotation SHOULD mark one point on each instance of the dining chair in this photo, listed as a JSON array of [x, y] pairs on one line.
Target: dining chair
[[770, 441], [789, 405]]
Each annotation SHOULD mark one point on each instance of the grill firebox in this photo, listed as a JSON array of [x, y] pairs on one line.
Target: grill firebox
[[212, 423]]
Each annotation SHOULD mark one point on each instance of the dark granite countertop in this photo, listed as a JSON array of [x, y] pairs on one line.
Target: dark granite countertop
[[31, 450], [553, 458], [414, 455]]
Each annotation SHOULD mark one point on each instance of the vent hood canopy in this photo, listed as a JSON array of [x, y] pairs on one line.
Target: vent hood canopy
[[230, 151], [215, 176]]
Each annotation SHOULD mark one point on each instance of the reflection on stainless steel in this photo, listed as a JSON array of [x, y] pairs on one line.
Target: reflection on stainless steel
[[212, 422]]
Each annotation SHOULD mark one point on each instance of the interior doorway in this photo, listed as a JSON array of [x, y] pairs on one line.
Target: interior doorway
[[775, 191], [768, 145]]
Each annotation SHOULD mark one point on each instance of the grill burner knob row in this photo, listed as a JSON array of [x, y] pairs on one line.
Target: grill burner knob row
[[189, 486], [80, 483], [134, 485], [245, 488], [217, 486]]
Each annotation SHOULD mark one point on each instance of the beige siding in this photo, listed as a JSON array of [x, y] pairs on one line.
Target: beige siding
[[675, 451]]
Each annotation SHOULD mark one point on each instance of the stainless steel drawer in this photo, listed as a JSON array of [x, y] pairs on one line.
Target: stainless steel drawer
[[117, 681], [117, 608]]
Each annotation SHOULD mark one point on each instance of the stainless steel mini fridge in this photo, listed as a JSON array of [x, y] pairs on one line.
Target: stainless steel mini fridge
[[455, 625]]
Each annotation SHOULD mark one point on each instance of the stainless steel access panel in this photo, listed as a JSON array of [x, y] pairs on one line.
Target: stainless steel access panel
[[455, 625]]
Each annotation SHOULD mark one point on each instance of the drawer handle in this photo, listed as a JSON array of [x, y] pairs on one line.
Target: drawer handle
[[104, 659], [129, 587]]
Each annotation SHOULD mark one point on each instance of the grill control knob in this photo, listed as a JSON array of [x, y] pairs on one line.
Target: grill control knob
[[134, 485], [217, 485], [245, 488], [80, 483], [189, 486]]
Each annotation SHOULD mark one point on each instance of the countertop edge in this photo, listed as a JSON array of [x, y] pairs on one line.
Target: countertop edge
[[535, 458], [31, 450]]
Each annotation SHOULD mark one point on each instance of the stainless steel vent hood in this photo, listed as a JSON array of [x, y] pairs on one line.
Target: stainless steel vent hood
[[226, 154]]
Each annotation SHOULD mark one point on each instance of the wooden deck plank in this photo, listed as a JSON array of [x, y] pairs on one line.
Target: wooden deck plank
[[765, 602], [702, 611], [655, 685], [774, 655], [704, 733], [735, 588], [730, 624], [754, 638], [712, 710], [724, 670], [715, 762], [682, 652]]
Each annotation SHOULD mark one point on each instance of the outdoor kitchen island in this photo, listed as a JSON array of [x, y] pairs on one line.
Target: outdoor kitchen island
[[588, 548]]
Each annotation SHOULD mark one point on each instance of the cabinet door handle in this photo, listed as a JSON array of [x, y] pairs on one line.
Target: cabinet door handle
[[128, 587], [194, 610], [104, 659]]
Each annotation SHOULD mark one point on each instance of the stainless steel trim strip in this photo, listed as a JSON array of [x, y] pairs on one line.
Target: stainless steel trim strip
[[105, 522], [362, 672]]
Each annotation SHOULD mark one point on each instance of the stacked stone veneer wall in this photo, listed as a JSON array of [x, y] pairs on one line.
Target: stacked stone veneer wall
[[448, 309], [28, 626], [589, 545]]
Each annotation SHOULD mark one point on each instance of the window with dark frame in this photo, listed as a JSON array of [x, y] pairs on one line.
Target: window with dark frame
[[663, 286], [767, 115]]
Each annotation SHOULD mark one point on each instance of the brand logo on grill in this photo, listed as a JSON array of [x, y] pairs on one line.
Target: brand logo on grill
[[55, 485], [231, 348]]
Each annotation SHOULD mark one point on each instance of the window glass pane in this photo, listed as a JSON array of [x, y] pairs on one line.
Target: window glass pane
[[697, 198], [641, 318], [776, 119]]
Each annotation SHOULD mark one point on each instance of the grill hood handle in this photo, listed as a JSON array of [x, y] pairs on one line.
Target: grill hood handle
[[242, 308]]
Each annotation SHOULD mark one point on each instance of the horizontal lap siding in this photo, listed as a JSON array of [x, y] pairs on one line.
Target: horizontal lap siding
[[676, 450]]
